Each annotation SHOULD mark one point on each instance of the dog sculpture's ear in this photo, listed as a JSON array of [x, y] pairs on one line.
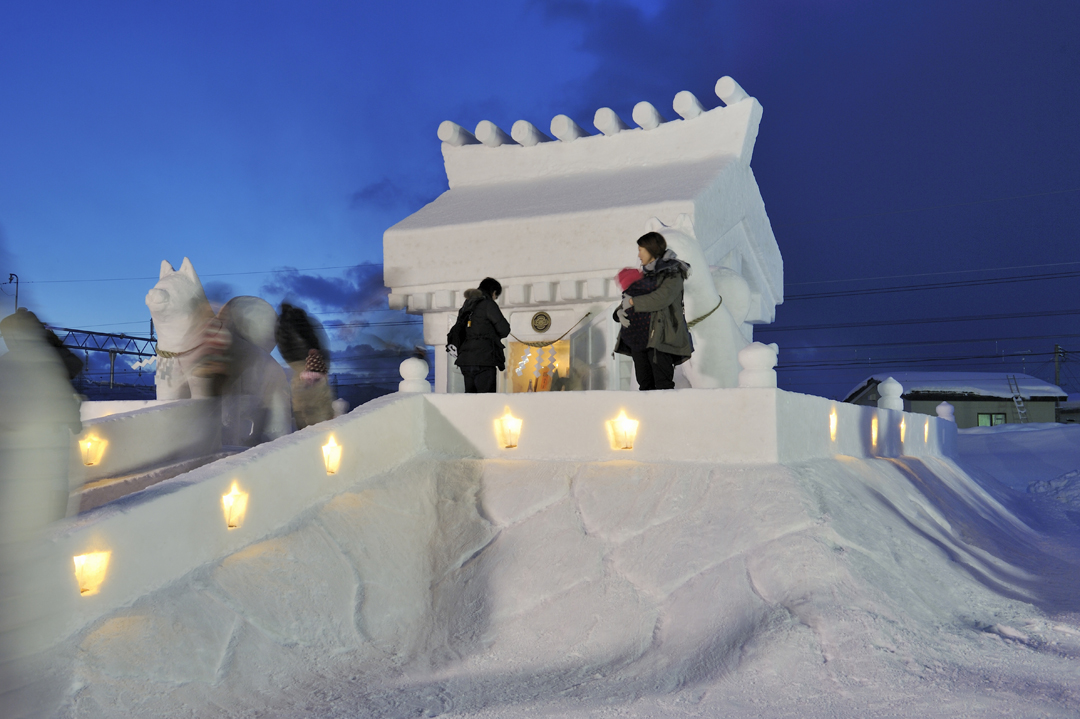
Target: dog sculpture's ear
[[166, 269], [655, 225], [685, 224], [187, 269]]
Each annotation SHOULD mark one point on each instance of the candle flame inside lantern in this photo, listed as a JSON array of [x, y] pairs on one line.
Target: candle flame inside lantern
[[903, 429], [926, 432], [235, 505], [873, 431], [832, 425], [508, 429], [331, 456], [622, 431], [90, 571], [92, 448]]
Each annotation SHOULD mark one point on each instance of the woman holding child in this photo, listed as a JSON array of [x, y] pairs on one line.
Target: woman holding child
[[654, 331]]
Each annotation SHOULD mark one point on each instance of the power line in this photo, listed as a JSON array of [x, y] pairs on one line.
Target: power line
[[890, 213], [215, 274], [868, 345], [928, 320], [937, 286], [931, 274]]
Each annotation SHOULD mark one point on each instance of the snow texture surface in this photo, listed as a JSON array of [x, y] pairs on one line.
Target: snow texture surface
[[507, 588]]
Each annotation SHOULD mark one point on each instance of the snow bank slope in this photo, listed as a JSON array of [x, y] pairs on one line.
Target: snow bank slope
[[489, 587]]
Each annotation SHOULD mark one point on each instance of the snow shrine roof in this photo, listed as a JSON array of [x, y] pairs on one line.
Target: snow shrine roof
[[525, 208], [976, 384]]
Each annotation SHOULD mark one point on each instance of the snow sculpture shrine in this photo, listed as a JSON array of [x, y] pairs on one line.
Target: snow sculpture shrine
[[555, 220]]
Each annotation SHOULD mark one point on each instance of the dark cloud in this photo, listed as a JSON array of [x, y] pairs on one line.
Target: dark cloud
[[218, 292], [388, 193], [361, 288]]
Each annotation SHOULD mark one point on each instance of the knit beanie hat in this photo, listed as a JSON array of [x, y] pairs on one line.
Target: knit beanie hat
[[628, 276], [315, 362]]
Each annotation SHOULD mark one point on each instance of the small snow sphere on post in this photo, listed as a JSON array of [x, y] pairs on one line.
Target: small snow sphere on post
[[414, 372], [757, 361], [890, 392], [945, 411]]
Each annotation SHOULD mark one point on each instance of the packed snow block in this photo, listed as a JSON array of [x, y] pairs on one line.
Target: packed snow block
[[183, 639], [298, 589], [514, 490], [156, 435], [702, 629]]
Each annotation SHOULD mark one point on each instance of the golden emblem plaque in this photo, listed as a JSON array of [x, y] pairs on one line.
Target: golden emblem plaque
[[541, 322]]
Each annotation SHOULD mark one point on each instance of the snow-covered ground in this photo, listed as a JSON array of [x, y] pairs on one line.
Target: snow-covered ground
[[494, 588]]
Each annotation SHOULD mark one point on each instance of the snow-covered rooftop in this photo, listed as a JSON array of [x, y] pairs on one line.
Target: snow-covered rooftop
[[981, 384]]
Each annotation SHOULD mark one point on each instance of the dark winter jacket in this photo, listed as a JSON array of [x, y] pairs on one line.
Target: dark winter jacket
[[483, 345], [667, 324], [636, 336]]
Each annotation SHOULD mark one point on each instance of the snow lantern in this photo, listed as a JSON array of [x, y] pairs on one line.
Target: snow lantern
[[508, 429], [235, 506], [331, 452], [90, 571], [92, 448], [622, 431]]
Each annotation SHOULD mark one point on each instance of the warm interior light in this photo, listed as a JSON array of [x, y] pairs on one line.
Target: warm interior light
[[92, 448], [873, 431], [235, 505], [903, 429], [832, 425], [331, 453], [926, 432], [622, 431], [90, 571], [508, 429]]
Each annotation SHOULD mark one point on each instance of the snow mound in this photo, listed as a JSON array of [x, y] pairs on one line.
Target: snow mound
[[502, 588]]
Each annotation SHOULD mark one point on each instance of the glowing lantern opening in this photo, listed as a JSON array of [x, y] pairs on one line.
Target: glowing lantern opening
[[331, 453], [92, 449], [622, 431], [235, 505], [832, 425], [873, 431], [508, 430], [90, 571], [926, 432], [903, 429]]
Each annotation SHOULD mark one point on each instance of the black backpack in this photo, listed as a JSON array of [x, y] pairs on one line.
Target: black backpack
[[456, 336]]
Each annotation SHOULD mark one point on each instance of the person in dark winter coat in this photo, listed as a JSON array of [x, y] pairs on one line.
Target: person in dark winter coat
[[304, 346], [662, 341], [482, 352]]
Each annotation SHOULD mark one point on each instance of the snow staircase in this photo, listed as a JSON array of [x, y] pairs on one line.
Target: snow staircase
[[1017, 399]]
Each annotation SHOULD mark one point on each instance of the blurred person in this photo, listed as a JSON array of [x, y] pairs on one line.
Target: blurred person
[[304, 345], [38, 416], [482, 352]]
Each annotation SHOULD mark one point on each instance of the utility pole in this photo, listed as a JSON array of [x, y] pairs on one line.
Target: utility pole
[[1058, 352], [12, 277]]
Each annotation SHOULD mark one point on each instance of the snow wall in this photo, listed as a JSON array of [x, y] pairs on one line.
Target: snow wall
[[161, 533], [737, 534]]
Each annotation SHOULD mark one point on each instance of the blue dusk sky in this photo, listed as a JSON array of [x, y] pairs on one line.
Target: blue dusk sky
[[920, 161]]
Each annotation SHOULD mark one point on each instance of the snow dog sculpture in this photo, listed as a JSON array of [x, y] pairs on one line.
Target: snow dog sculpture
[[256, 404]]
